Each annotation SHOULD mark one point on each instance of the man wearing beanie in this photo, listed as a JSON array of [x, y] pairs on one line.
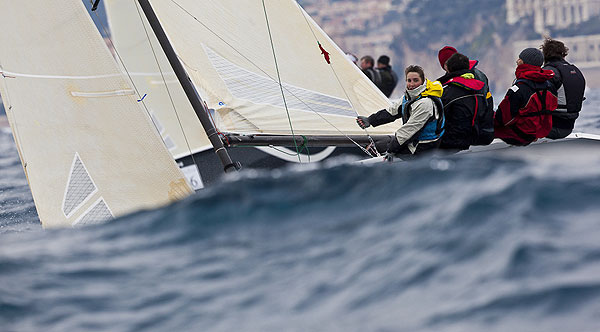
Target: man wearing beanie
[[525, 113], [487, 132]]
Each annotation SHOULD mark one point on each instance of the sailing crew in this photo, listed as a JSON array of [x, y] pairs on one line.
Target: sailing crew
[[525, 113], [569, 82], [464, 105], [486, 118], [389, 78], [367, 64], [421, 112]]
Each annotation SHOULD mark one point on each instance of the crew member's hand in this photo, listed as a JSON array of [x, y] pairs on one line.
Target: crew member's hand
[[363, 121]]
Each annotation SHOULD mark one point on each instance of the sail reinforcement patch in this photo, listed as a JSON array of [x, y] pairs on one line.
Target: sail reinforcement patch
[[97, 214], [80, 187], [259, 89]]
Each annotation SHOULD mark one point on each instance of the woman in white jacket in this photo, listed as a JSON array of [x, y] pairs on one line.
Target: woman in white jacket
[[421, 111]]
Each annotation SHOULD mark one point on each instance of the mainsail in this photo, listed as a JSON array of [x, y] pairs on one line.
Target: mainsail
[[266, 67], [89, 150]]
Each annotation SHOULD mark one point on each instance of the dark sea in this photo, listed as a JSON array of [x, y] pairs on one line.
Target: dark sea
[[460, 243]]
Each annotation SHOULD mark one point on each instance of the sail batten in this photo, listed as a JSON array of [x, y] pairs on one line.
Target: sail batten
[[226, 48]]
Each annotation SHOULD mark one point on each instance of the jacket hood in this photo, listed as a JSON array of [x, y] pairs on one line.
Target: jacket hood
[[533, 73], [433, 89], [468, 82], [428, 88]]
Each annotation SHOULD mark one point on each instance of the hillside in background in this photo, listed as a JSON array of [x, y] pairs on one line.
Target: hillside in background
[[412, 32]]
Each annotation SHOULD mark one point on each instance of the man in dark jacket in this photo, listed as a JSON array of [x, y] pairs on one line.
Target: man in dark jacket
[[367, 64], [570, 84], [464, 100], [486, 118], [389, 79], [525, 113]]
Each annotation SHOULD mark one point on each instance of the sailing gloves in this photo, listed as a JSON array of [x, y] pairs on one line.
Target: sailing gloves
[[363, 121]]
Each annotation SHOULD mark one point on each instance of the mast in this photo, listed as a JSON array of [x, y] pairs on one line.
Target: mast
[[190, 91]]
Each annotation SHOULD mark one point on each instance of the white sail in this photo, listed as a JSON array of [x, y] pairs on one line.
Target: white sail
[[89, 150], [154, 79], [239, 52]]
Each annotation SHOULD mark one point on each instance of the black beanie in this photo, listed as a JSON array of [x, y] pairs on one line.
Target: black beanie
[[532, 56]]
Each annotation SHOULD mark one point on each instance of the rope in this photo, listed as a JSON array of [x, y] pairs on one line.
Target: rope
[[162, 75], [279, 80], [269, 76], [326, 56]]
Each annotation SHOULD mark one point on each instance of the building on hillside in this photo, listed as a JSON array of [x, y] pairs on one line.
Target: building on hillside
[[584, 52], [552, 13], [359, 27]]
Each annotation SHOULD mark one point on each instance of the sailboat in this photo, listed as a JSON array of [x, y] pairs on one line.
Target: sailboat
[[250, 62], [97, 142], [278, 87], [92, 149]]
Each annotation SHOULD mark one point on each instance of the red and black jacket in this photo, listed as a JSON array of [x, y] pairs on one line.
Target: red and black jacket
[[464, 102], [525, 114]]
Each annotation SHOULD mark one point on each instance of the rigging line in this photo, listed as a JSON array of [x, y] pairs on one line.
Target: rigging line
[[165, 82], [267, 75], [105, 29], [335, 74], [279, 79]]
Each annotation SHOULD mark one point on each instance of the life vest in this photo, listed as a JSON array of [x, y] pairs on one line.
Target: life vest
[[434, 128], [535, 118], [572, 88]]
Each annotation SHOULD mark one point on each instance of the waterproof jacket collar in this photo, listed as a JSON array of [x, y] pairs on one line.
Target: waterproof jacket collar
[[468, 82], [533, 73], [428, 88], [416, 92], [463, 78], [448, 76]]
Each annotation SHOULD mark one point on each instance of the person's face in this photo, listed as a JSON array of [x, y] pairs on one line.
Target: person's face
[[519, 62], [364, 64], [413, 80], [446, 67]]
